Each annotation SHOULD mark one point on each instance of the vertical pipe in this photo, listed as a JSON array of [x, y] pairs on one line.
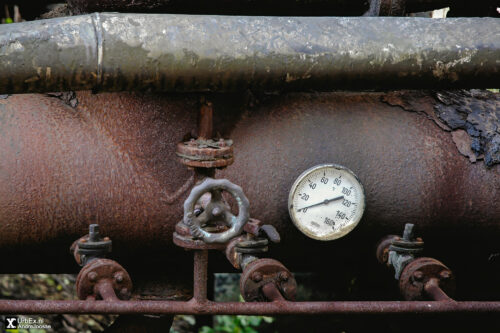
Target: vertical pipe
[[200, 275], [205, 125]]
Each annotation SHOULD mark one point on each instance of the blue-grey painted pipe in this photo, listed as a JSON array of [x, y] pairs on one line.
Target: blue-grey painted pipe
[[113, 52]]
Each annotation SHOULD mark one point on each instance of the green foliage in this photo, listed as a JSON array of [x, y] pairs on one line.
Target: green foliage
[[236, 324]]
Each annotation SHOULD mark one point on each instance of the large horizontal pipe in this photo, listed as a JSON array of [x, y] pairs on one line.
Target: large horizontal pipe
[[220, 308], [111, 160], [112, 52]]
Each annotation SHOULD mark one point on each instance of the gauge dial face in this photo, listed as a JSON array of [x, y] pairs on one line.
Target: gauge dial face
[[326, 202]]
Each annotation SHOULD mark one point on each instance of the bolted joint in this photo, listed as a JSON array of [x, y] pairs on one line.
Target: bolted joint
[[271, 273], [426, 279], [103, 279]]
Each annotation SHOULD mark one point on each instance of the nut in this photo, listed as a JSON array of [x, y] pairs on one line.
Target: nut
[[119, 277], [124, 292], [418, 276], [284, 276], [93, 276], [256, 277]]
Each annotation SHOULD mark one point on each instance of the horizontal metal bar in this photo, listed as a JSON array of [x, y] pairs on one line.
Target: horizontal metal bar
[[156, 52], [273, 308]]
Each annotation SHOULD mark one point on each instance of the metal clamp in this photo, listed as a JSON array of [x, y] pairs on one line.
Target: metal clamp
[[216, 210]]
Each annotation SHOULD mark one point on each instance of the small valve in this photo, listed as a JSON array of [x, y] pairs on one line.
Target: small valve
[[257, 237], [92, 246], [420, 278], [404, 250], [216, 211]]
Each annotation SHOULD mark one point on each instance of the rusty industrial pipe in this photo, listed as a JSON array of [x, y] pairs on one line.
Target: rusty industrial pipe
[[111, 160], [115, 52], [105, 289], [434, 291], [252, 308]]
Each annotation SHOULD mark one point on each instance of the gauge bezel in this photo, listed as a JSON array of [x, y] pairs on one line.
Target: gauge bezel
[[335, 235]]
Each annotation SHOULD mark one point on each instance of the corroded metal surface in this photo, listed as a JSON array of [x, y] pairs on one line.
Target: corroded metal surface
[[265, 271], [472, 116], [205, 153], [416, 276], [112, 161], [251, 308], [103, 279], [116, 52], [217, 212]]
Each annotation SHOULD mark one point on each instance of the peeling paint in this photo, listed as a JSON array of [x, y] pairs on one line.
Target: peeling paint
[[160, 52], [471, 116]]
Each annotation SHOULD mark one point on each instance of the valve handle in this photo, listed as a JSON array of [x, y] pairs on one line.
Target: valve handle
[[216, 210]]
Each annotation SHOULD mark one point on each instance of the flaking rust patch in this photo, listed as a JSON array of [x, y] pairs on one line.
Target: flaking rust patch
[[477, 112], [472, 117], [463, 142]]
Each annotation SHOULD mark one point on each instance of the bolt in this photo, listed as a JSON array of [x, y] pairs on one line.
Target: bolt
[[119, 277], [124, 292], [408, 233], [94, 233], [445, 275], [93, 276], [284, 276], [418, 275], [256, 277]]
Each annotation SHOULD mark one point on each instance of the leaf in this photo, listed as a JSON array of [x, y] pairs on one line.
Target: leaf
[[206, 329]]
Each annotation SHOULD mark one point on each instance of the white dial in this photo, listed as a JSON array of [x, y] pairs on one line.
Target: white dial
[[326, 202]]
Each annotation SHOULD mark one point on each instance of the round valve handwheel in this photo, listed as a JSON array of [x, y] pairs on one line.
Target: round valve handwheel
[[216, 210]]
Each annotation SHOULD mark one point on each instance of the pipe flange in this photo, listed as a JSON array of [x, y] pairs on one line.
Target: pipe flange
[[203, 153], [216, 211], [418, 272], [263, 271], [99, 270]]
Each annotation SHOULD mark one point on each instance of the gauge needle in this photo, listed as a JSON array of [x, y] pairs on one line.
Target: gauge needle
[[324, 202]]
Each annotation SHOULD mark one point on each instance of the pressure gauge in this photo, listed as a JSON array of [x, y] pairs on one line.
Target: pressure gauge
[[326, 202]]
